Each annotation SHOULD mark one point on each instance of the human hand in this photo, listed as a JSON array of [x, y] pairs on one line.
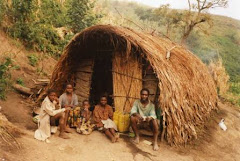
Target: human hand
[[148, 119], [68, 108], [56, 99], [140, 118]]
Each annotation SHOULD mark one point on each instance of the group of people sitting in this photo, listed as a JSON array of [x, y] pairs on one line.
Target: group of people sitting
[[65, 113]]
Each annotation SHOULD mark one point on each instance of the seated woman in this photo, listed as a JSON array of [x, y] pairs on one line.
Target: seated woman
[[85, 127], [69, 99], [103, 116], [50, 115]]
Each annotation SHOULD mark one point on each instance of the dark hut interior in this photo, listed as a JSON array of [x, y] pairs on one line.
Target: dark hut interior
[[102, 81]]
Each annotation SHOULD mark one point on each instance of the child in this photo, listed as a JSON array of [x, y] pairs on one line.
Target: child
[[49, 115], [70, 99], [103, 115], [85, 127]]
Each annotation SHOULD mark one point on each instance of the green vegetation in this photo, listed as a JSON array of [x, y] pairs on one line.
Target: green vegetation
[[223, 40], [81, 15], [36, 23], [5, 77], [33, 59], [40, 72], [235, 88], [2, 10], [20, 81]]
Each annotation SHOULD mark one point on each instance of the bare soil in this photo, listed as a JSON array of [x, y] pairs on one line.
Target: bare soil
[[212, 143]]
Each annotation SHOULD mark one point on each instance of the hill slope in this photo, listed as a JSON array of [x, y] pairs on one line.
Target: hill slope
[[223, 39]]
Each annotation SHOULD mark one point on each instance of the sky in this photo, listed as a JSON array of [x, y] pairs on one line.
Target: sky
[[233, 9]]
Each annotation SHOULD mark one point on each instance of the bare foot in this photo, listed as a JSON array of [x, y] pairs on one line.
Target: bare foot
[[64, 135], [47, 141], [116, 136], [68, 130], [136, 140], [113, 139], [155, 147]]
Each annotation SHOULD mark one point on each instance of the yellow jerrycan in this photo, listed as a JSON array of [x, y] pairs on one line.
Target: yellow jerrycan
[[126, 122], [116, 117], [121, 122]]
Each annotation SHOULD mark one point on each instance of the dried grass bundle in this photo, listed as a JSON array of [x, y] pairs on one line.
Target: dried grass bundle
[[127, 82], [220, 76]]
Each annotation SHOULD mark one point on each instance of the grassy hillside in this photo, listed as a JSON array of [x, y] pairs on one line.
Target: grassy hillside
[[222, 40]]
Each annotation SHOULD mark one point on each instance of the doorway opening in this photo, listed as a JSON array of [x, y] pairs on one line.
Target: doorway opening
[[102, 81]]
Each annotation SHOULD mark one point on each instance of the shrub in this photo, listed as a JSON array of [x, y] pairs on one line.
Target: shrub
[[33, 59], [20, 81], [2, 10], [235, 88], [5, 76]]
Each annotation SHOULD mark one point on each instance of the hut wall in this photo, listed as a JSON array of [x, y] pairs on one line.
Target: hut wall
[[127, 82], [83, 79]]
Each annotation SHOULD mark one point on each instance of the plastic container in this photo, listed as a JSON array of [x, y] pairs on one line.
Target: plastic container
[[115, 117], [122, 121], [126, 122]]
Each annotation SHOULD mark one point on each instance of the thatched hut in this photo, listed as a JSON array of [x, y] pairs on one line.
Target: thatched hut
[[121, 61]]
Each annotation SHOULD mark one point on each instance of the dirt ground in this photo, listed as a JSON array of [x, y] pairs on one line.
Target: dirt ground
[[212, 143]]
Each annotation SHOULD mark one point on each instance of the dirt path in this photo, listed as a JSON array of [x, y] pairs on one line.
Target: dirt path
[[212, 144]]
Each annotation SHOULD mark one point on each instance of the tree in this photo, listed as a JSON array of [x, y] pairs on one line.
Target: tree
[[52, 12], [3, 7], [81, 15], [169, 18], [197, 14]]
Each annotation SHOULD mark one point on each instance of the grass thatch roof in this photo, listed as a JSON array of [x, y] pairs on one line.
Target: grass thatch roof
[[188, 93]]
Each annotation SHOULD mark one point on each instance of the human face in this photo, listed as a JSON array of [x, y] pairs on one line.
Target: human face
[[144, 96], [103, 101], [69, 89], [52, 96], [86, 105]]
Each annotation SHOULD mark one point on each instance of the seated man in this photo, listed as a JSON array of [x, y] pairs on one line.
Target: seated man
[[103, 116], [48, 114], [143, 112]]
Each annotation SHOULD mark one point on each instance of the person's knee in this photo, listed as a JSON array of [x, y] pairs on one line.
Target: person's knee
[[133, 119], [67, 112]]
